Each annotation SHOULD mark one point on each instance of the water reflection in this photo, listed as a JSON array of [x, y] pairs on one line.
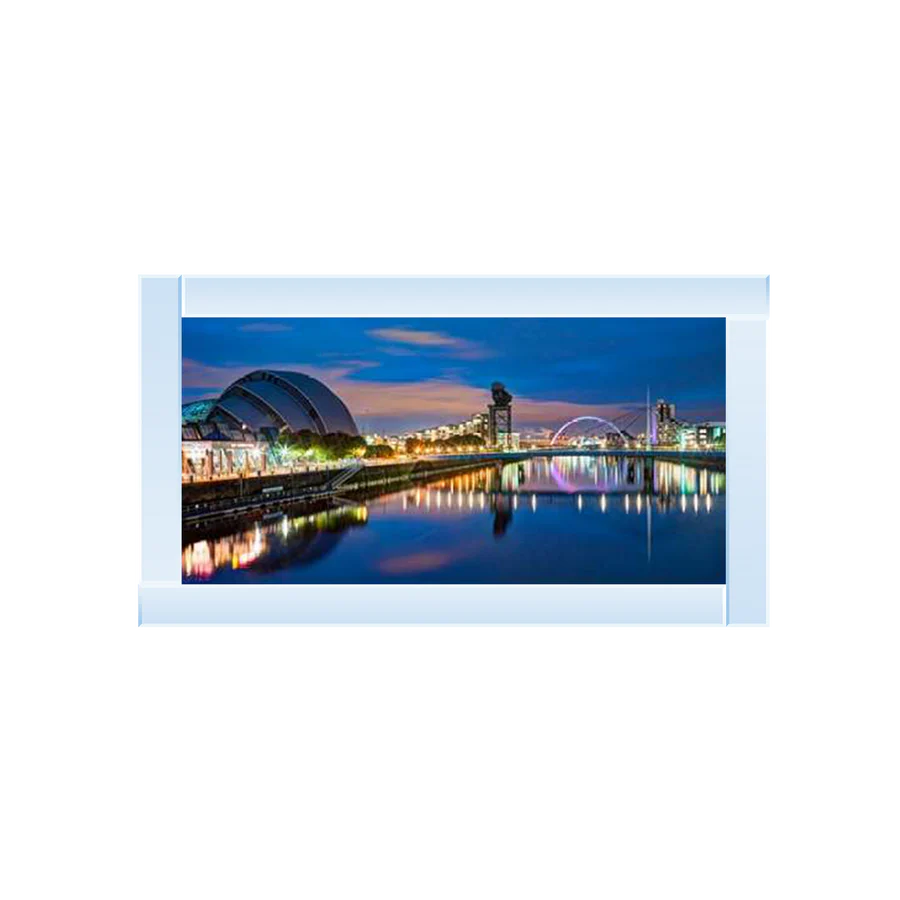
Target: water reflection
[[582, 474], [545, 490], [272, 544], [503, 514]]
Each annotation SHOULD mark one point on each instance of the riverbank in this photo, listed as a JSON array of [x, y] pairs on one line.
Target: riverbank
[[237, 496], [210, 500]]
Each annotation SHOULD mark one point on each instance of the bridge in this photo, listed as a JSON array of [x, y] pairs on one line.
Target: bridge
[[623, 426], [711, 458]]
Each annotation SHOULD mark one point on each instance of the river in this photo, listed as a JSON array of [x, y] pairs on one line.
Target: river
[[548, 520]]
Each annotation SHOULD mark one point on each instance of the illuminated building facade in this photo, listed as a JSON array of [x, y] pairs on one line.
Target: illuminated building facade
[[702, 436], [508, 440], [234, 433], [211, 450], [204, 460], [667, 430], [476, 426]]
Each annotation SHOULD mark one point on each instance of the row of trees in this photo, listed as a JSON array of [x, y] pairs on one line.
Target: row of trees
[[313, 447], [309, 445], [455, 444], [379, 451]]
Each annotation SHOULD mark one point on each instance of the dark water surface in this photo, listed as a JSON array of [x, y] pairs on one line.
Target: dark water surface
[[564, 520]]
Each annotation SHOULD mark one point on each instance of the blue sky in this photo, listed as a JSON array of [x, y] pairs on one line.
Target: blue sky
[[404, 374]]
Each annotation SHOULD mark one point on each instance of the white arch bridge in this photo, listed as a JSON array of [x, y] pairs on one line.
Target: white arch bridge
[[599, 419]]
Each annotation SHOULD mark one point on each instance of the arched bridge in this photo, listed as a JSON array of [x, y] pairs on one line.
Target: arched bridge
[[587, 419]]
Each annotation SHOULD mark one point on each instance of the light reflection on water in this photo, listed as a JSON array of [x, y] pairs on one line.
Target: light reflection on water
[[306, 535], [575, 529]]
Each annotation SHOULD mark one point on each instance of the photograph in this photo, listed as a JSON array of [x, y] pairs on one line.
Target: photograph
[[453, 451]]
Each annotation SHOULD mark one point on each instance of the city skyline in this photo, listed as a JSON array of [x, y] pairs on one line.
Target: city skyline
[[400, 375]]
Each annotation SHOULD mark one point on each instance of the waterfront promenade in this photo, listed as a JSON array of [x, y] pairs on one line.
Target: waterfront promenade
[[239, 495], [702, 457]]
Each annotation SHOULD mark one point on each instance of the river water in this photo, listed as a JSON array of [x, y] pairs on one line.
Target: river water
[[559, 520]]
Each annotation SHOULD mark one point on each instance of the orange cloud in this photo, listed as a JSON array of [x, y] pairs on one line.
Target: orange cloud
[[453, 346], [444, 400], [413, 336], [196, 374], [434, 401]]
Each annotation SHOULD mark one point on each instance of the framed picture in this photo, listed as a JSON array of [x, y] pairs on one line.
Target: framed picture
[[454, 451]]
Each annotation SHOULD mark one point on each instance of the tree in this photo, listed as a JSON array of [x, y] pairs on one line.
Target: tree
[[338, 445], [379, 451], [322, 447], [283, 453], [465, 442]]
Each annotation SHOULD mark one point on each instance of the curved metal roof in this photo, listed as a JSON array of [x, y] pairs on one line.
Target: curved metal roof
[[196, 411], [241, 411], [327, 403], [284, 399], [296, 411]]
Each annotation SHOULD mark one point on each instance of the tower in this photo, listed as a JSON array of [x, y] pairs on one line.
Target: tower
[[666, 423], [499, 415]]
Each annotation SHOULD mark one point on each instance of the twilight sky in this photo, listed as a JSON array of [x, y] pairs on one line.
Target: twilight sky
[[397, 375]]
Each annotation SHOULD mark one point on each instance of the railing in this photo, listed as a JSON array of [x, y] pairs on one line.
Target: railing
[[297, 469], [344, 475], [488, 454], [272, 495]]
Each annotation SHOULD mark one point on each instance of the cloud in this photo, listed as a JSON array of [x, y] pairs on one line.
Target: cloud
[[357, 365], [413, 336], [443, 343], [439, 401], [404, 404], [265, 327], [195, 374]]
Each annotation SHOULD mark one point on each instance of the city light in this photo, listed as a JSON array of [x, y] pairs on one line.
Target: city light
[[288, 479], [664, 484]]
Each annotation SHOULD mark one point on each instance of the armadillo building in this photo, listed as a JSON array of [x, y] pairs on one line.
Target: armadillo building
[[268, 399], [233, 433]]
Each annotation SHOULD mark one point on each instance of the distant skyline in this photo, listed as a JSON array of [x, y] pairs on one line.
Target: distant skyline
[[398, 375]]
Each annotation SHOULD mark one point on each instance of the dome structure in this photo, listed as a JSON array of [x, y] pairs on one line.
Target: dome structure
[[270, 399], [196, 411]]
